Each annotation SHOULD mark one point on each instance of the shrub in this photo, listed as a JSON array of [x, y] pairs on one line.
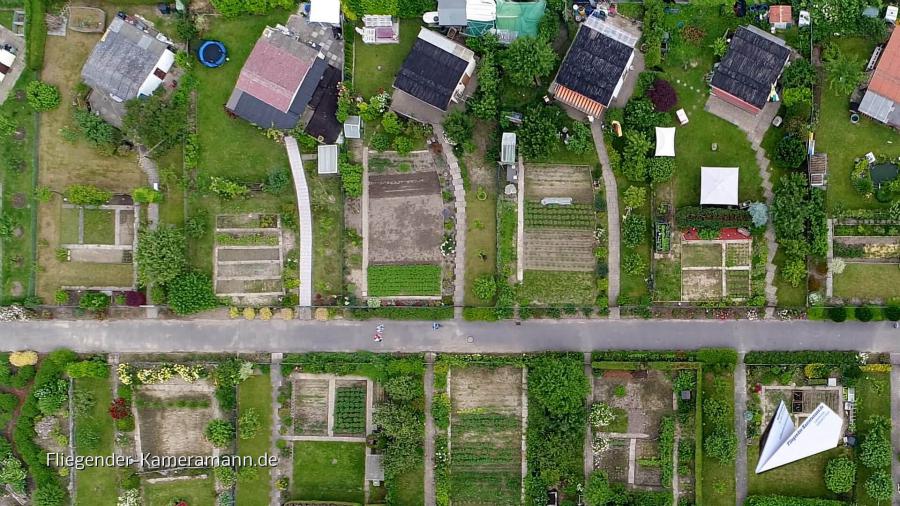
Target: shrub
[[892, 312], [720, 445], [225, 476], [837, 314], [580, 139], [485, 287], [191, 293], [440, 411], [403, 145], [49, 494], [220, 433], [633, 262], [161, 255], [840, 475], [119, 409], [88, 369], [351, 179], [634, 231], [87, 195], [879, 486], [23, 358], [790, 152], [42, 96], [661, 168], [875, 450], [864, 313], [663, 96], [278, 180], [458, 127], [94, 301], [403, 388], [598, 491]]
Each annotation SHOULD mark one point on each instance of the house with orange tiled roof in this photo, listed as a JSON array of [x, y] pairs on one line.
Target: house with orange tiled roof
[[594, 69], [781, 16], [882, 99]]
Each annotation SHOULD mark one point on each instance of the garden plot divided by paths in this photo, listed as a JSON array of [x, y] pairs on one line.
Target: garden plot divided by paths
[[331, 408], [249, 256], [711, 270], [103, 234], [486, 427]]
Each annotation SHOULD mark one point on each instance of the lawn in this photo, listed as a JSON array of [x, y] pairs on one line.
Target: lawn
[[481, 241], [97, 486], [874, 394], [68, 225], [718, 477], [788, 296], [667, 281], [633, 286], [256, 393], [804, 478], [868, 281], [327, 201], [701, 255], [557, 287], [375, 65], [329, 471], [413, 280], [410, 487], [99, 226], [193, 492], [6, 17], [844, 141]]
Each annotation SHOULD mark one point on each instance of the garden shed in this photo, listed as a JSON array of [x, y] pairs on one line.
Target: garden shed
[[665, 141], [883, 94], [746, 75], [781, 16], [508, 148], [328, 159], [719, 186]]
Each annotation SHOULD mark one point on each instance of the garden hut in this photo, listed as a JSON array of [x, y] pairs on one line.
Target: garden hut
[[508, 148], [328, 159], [665, 141], [719, 186], [781, 16], [353, 127], [818, 169], [783, 442]]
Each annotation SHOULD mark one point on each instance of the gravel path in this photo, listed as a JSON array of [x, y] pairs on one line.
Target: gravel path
[[612, 212], [740, 429]]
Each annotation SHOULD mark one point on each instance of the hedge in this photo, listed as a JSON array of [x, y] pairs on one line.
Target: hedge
[[781, 500], [710, 217], [801, 357], [35, 34], [709, 356], [483, 314], [404, 313]]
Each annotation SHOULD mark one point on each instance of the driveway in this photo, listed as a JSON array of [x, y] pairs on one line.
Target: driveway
[[8, 37]]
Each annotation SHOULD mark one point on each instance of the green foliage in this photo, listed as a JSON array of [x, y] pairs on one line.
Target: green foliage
[[225, 476], [634, 197], [87, 195], [191, 292], [440, 411], [233, 8], [350, 410], [249, 423], [634, 163], [797, 96], [458, 127], [790, 152], [642, 116], [99, 134], [666, 449], [879, 486], [798, 213], [388, 280], [161, 255], [146, 195], [794, 271], [840, 475], [485, 287], [219, 432], [278, 180], [892, 312], [598, 492], [35, 34], [864, 313], [580, 139], [837, 314], [875, 450], [158, 121], [94, 301], [391, 123], [94, 368], [42, 96], [799, 74], [403, 145], [719, 47], [780, 500], [845, 73], [634, 230], [527, 60], [721, 446], [554, 216], [351, 179], [403, 388], [484, 104], [403, 431], [538, 134], [49, 494], [52, 396], [661, 168], [226, 189]]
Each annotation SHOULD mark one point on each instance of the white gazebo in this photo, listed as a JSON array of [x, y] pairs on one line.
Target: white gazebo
[[719, 186], [665, 141], [785, 443], [325, 11], [328, 159]]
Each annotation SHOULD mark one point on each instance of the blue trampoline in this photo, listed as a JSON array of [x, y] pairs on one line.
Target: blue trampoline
[[212, 53]]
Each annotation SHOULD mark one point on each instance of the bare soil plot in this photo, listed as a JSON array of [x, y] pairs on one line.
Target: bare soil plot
[[701, 255], [701, 284], [647, 399], [559, 181], [647, 475], [614, 460], [173, 430], [486, 435], [405, 227], [390, 162], [310, 406], [248, 254], [550, 249]]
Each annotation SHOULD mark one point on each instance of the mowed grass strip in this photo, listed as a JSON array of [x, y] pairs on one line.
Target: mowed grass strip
[[256, 393], [199, 492], [96, 486], [389, 280], [868, 281], [557, 287], [99, 226], [328, 471]]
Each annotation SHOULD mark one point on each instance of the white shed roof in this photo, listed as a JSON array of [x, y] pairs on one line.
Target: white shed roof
[[353, 127], [325, 11], [508, 148], [820, 432], [876, 106], [719, 186], [665, 141], [328, 159]]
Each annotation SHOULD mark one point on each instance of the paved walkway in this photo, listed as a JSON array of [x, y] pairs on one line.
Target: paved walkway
[[762, 161], [895, 415], [740, 429], [231, 336], [305, 220], [276, 380], [429, 430], [459, 196], [612, 212], [520, 223]]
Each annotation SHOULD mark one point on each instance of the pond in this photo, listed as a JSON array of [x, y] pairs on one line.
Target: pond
[[884, 173]]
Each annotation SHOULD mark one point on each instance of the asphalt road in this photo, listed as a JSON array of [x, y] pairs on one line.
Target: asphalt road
[[530, 336]]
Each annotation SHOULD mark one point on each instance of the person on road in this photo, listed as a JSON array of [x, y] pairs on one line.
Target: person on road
[[435, 326]]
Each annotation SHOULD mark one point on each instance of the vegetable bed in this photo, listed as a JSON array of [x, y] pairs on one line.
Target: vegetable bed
[[413, 280]]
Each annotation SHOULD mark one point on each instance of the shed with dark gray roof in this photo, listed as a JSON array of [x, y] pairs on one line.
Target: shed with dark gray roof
[[434, 69], [752, 65]]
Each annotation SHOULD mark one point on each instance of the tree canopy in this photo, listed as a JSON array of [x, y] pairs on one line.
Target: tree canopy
[[160, 255], [527, 60]]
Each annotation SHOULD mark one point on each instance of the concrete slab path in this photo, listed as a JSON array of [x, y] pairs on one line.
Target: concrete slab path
[[303, 207]]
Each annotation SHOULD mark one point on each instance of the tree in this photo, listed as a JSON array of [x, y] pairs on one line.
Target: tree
[[87, 195], [635, 162], [485, 287], [160, 255], [220, 433], [791, 151], [527, 60], [663, 95], [794, 271], [403, 145], [634, 197], [580, 139], [99, 134], [249, 423], [94, 302], [539, 133], [840, 475], [641, 115], [158, 121], [844, 74], [879, 486], [661, 168], [190, 293], [875, 450], [42, 96], [391, 123], [799, 74], [598, 492], [864, 313], [458, 127], [558, 386], [797, 96]]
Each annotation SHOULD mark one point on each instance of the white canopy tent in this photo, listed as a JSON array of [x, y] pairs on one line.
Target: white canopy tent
[[481, 10], [784, 443], [719, 186], [665, 141], [325, 11]]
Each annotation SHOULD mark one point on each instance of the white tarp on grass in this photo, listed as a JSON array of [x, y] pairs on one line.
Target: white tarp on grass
[[665, 141], [325, 11], [719, 186], [784, 444]]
